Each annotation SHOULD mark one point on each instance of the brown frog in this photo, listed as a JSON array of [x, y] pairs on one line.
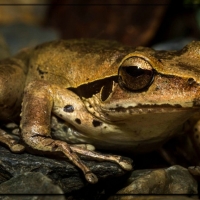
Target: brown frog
[[109, 95]]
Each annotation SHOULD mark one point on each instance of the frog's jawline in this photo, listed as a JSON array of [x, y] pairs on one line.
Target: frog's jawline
[[153, 108]]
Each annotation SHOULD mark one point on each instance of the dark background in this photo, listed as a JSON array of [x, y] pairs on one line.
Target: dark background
[[135, 22], [25, 23]]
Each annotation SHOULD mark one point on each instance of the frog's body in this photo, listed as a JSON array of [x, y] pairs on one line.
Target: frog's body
[[109, 95]]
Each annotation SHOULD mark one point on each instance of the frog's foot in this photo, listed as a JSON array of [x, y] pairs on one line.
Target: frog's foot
[[11, 141], [68, 151], [88, 150], [126, 164], [71, 151], [44, 144]]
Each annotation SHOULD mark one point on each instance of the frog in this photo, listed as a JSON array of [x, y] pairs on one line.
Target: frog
[[108, 96]]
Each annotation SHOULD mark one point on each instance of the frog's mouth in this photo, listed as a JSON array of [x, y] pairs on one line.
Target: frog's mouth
[[149, 113], [162, 108]]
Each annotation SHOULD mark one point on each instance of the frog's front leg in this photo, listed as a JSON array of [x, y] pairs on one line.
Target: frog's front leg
[[40, 99]]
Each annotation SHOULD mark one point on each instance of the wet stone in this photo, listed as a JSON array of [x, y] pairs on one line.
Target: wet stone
[[154, 197], [26, 173], [30, 183], [62, 173], [172, 180]]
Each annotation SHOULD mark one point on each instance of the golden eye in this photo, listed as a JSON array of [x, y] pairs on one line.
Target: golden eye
[[135, 74]]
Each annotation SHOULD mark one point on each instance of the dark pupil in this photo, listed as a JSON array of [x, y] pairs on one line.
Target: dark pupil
[[133, 71]]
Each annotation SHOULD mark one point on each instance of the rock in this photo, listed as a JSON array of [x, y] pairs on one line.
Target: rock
[[195, 171], [30, 183], [20, 173], [63, 173], [154, 197], [32, 197], [172, 180]]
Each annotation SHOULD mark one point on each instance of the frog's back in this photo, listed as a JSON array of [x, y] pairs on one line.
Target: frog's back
[[75, 62]]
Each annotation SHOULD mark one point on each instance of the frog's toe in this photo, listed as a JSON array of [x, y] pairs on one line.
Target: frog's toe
[[48, 144], [17, 148], [11, 141], [84, 146], [91, 178], [126, 164]]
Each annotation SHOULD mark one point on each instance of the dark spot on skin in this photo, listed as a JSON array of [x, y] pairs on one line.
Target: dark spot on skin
[[60, 115], [68, 108], [90, 106], [78, 121], [157, 88], [105, 127], [41, 72], [197, 136], [42, 76], [96, 123]]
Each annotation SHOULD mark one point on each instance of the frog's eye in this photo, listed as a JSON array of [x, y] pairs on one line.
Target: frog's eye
[[135, 74]]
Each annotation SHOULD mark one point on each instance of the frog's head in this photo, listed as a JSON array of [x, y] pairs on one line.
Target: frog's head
[[152, 81], [136, 97]]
